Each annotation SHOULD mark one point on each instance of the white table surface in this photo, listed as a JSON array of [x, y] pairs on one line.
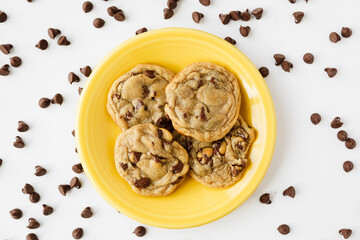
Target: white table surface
[[306, 156]]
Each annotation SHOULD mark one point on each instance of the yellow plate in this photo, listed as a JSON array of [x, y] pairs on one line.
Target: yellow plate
[[191, 204]]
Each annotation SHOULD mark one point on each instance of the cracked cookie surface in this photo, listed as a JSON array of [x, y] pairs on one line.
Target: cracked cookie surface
[[221, 163], [150, 161], [138, 97], [203, 101]]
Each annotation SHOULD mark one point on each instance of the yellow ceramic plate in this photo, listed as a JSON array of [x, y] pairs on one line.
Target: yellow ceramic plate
[[191, 204]]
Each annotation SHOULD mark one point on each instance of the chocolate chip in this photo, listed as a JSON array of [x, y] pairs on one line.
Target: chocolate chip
[[235, 15], [334, 37], [1, 161], [137, 156], [168, 13], [346, 32], [98, 22], [172, 4], [44, 102], [62, 41], [290, 191], [257, 12], [75, 183], [264, 71], [77, 168], [28, 189], [178, 167], [350, 143], [86, 213], [57, 99], [63, 189], [140, 231], [5, 48], [346, 233], [342, 135], [19, 143], [40, 171], [315, 118], [348, 166], [32, 236], [279, 58], [16, 213], [33, 224], [42, 44], [34, 197], [292, 1], [78, 233], [177, 181], [298, 17], [196, 16], [230, 40], [286, 66], [53, 32], [4, 70], [205, 2], [3, 16], [265, 198], [142, 183], [22, 126], [225, 18], [245, 16], [80, 90], [244, 31], [284, 229], [15, 61], [112, 10], [119, 16], [72, 77], [47, 210], [234, 170], [331, 72], [87, 6], [141, 30], [308, 58], [150, 74], [336, 123], [202, 114]]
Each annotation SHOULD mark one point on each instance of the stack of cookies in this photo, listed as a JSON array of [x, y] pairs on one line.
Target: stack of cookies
[[175, 124]]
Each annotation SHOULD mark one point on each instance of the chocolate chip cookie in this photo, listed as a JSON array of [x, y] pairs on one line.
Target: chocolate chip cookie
[[138, 97], [221, 163], [150, 161], [203, 101]]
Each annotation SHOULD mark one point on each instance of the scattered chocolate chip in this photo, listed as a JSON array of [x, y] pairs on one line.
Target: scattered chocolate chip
[[245, 16], [308, 58], [292, 1], [4, 70], [315, 118], [257, 12], [47, 210], [141, 30], [350, 143], [346, 233], [334, 37], [28, 189], [77, 168], [98, 22], [172, 4], [42, 44], [16, 213], [348, 166], [80, 90], [32, 236], [33, 224], [34, 197], [22, 126], [40, 171], [112, 11], [205, 2], [53, 32], [279, 58], [265, 198], [44, 102], [140, 231], [342, 135], [346, 32], [290, 191], [63, 189], [87, 213], [75, 183], [331, 72], [298, 17], [178, 167], [78, 233], [142, 183], [72, 77], [5, 48], [73, 133], [150, 74], [264, 71], [76, 150], [336, 123], [235, 15], [230, 40], [244, 31], [284, 229], [225, 18], [196, 16], [62, 41], [286, 66], [119, 16], [1, 161], [3, 16], [19, 143], [168, 13], [87, 6], [15, 61], [57, 99]]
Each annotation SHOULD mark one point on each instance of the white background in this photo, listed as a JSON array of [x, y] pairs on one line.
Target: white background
[[306, 156]]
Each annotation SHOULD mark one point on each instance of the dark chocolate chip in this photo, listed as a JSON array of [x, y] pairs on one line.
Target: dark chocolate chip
[[308, 58], [119, 16], [77, 168], [4, 70], [63, 189], [87, 213], [57, 99], [350, 143], [177, 181], [62, 41], [172, 4], [124, 166], [80, 90], [160, 133], [168, 13], [331, 72], [33, 224], [346, 32], [137, 156], [244, 31], [40, 171], [72, 77], [342, 135], [334, 37], [315, 118], [178, 167], [346, 233], [5, 48], [34, 197], [205, 2], [264, 71], [98, 22], [286, 66], [19, 143], [265, 198], [348, 166], [142, 183], [112, 10], [230, 40], [284, 229], [279, 58], [16, 213], [1, 161], [298, 17], [75, 183], [225, 18], [141, 30], [128, 115], [47, 210], [42, 44], [202, 114], [28, 189], [257, 12], [32, 236], [150, 74], [22, 126], [140, 231], [53, 32], [78, 233], [44, 102], [290, 191], [245, 16], [235, 15], [87, 6], [145, 89], [336, 123], [292, 1], [3, 16], [15, 61], [196, 16]]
